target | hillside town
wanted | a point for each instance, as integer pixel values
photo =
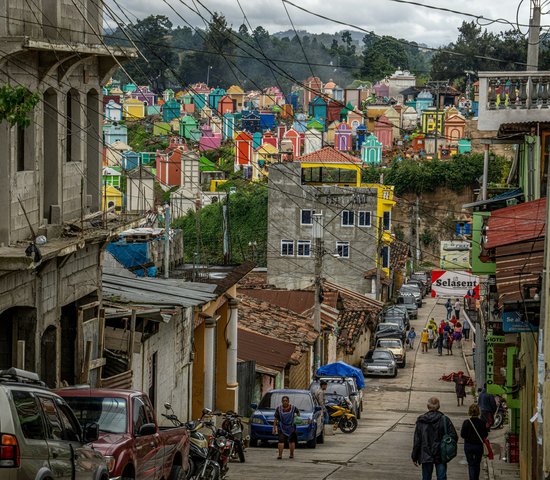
(185, 266)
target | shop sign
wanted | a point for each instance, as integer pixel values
(513, 322)
(455, 284)
(490, 341)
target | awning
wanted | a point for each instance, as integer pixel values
(265, 351)
(500, 198)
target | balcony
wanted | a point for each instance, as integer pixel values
(513, 97)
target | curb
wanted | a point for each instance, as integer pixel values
(490, 469)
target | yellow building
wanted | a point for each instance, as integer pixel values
(262, 157)
(236, 94)
(133, 109)
(111, 197)
(429, 121)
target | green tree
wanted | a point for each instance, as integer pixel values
(16, 104)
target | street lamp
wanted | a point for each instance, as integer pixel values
(208, 74)
(318, 249)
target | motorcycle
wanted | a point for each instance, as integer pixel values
(340, 414)
(501, 413)
(233, 425)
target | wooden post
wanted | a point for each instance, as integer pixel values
(100, 342)
(132, 338)
(20, 354)
(84, 377)
(79, 340)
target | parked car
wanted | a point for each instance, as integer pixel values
(129, 437)
(395, 345)
(310, 431)
(421, 286)
(396, 314)
(41, 438)
(340, 386)
(379, 361)
(391, 330)
(412, 290)
(409, 302)
(425, 277)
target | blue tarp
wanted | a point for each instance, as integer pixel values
(342, 369)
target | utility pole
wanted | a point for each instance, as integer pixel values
(485, 172)
(166, 241)
(378, 288)
(534, 37)
(417, 232)
(318, 246)
(225, 212)
(437, 84)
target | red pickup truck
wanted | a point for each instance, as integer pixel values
(130, 439)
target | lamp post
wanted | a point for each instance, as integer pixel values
(208, 74)
(318, 249)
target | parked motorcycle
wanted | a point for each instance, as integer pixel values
(501, 413)
(340, 414)
(233, 425)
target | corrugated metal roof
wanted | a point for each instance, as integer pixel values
(518, 192)
(155, 291)
(267, 351)
(328, 155)
(525, 221)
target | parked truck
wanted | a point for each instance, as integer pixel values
(130, 439)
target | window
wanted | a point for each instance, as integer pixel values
(348, 218)
(386, 257)
(342, 248)
(140, 414)
(386, 220)
(55, 430)
(28, 412)
(304, 248)
(287, 248)
(70, 425)
(306, 217)
(363, 219)
(109, 413)
(20, 134)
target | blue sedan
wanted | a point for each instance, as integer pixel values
(310, 431)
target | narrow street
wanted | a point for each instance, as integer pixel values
(381, 446)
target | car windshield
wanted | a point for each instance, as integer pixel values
(387, 326)
(109, 413)
(381, 355)
(389, 344)
(410, 288)
(271, 400)
(338, 388)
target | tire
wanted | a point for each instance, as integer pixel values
(404, 364)
(348, 425)
(212, 472)
(192, 467)
(312, 443)
(254, 442)
(394, 373)
(358, 412)
(177, 473)
(321, 438)
(240, 453)
(499, 421)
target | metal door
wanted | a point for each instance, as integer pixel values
(246, 377)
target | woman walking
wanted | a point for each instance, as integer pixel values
(424, 340)
(474, 434)
(449, 343)
(431, 337)
(284, 426)
(460, 387)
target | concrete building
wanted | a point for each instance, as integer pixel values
(50, 182)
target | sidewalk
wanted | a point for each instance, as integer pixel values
(497, 469)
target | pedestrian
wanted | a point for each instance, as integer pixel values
(424, 336)
(457, 309)
(320, 396)
(449, 343)
(428, 433)
(284, 426)
(474, 432)
(432, 324)
(454, 320)
(457, 334)
(466, 330)
(488, 407)
(410, 337)
(440, 342)
(449, 307)
(460, 387)
(431, 337)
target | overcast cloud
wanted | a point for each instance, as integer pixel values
(384, 17)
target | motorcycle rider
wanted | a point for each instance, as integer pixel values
(320, 396)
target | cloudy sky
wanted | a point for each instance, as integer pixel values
(387, 17)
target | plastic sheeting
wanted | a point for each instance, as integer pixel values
(342, 369)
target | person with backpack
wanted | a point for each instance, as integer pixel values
(435, 442)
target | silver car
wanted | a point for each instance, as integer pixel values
(379, 361)
(41, 438)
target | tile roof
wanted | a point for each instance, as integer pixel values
(328, 155)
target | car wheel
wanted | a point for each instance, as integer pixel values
(358, 412)
(321, 437)
(404, 364)
(394, 373)
(312, 443)
(253, 442)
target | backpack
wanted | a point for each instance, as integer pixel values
(448, 446)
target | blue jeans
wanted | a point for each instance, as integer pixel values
(440, 471)
(326, 418)
(474, 454)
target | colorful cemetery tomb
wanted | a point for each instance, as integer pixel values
(170, 110)
(394, 117)
(300, 124)
(429, 145)
(267, 120)
(270, 139)
(243, 150)
(342, 137)
(113, 153)
(236, 94)
(115, 133)
(409, 118)
(333, 111)
(418, 143)
(186, 98)
(129, 88)
(199, 100)
(313, 86)
(153, 110)
(196, 134)
(206, 165)
(188, 108)
(257, 139)
(316, 124)
(216, 125)
(338, 94)
(228, 126)
(144, 95)
(383, 130)
(287, 111)
(116, 91)
(175, 125)
(161, 129)
(424, 100)
(225, 105)
(355, 118)
(292, 100)
(464, 145)
(214, 98)
(344, 112)
(130, 160)
(331, 131)
(371, 151)
(169, 167)
(313, 141)
(115, 98)
(113, 111)
(140, 190)
(111, 197)
(281, 129)
(264, 155)
(295, 139)
(250, 121)
(206, 114)
(455, 127)
(111, 176)
(209, 139)
(432, 120)
(352, 96)
(147, 158)
(187, 124)
(318, 108)
(361, 134)
(168, 95)
(133, 109)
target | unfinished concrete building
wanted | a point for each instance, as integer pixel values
(49, 182)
